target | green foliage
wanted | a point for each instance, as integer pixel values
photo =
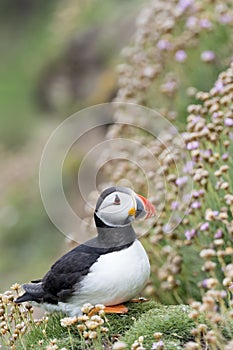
(46, 331)
(172, 321)
(143, 319)
(52, 329)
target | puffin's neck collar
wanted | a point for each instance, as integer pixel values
(114, 236)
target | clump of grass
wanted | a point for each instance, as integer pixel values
(167, 326)
(85, 332)
(92, 330)
(144, 320)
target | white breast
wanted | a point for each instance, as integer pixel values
(115, 278)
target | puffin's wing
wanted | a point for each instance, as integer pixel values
(69, 270)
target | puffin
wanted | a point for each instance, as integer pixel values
(109, 269)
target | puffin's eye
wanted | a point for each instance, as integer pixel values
(117, 200)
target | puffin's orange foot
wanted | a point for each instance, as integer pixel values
(116, 309)
(139, 300)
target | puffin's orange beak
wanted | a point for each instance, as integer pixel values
(148, 209)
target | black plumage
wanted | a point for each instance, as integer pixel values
(62, 279)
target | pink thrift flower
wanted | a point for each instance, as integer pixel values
(207, 56)
(205, 23)
(189, 234)
(192, 145)
(204, 226)
(191, 22)
(218, 234)
(163, 45)
(228, 121)
(196, 205)
(180, 181)
(180, 56)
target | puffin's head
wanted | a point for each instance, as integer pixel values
(120, 206)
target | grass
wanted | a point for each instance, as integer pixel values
(117, 325)
(143, 319)
(172, 321)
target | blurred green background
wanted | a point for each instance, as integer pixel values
(56, 58)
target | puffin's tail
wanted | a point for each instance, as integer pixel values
(33, 292)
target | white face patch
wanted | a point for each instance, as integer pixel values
(114, 210)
